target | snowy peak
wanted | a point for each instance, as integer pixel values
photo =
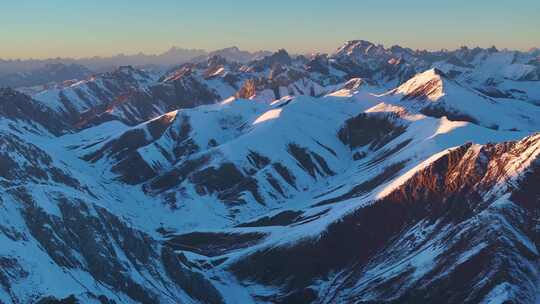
(129, 74)
(443, 218)
(405, 176)
(432, 93)
(358, 48)
(279, 58)
(428, 85)
(234, 54)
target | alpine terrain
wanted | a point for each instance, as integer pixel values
(367, 175)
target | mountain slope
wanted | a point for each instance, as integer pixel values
(440, 232)
(434, 94)
(364, 176)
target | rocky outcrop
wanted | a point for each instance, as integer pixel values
(370, 129)
(20, 107)
(88, 238)
(453, 201)
(352, 195)
(38, 167)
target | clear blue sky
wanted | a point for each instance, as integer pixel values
(76, 28)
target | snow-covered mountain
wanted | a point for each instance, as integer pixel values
(370, 175)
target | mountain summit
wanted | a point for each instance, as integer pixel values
(369, 175)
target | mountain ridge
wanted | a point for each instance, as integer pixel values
(371, 175)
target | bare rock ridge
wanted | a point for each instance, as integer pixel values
(368, 175)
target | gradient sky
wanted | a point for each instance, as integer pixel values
(80, 28)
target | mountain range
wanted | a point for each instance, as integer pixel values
(35, 72)
(368, 175)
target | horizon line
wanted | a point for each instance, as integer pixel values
(207, 51)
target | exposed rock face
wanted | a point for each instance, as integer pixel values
(83, 237)
(82, 103)
(373, 130)
(133, 96)
(38, 167)
(18, 106)
(98, 235)
(186, 91)
(453, 201)
(277, 179)
(280, 58)
(248, 90)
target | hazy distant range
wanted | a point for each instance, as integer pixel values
(21, 73)
(173, 56)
